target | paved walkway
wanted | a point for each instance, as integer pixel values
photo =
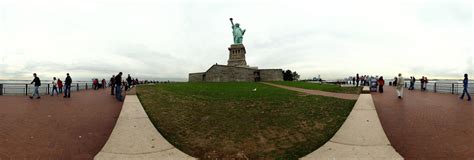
(56, 127)
(427, 125)
(317, 92)
(360, 137)
(135, 137)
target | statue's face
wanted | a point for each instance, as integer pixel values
(237, 25)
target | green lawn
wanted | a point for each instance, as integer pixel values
(229, 120)
(322, 87)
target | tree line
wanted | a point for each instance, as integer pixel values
(288, 75)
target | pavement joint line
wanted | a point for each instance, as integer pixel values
(163, 150)
(363, 145)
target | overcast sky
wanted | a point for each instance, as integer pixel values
(169, 39)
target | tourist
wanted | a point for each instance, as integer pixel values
(413, 79)
(465, 90)
(357, 79)
(112, 85)
(353, 81)
(381, 82)
(103, 83)
(118, 87)
(400, 83)
(60, 86)
(426, 83)
(395, 81)
(55, 88)
(67, 86)
(422, 81)
(129, 82)
(37, 82)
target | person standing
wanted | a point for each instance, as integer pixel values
(60, 86)
(422, 81)
(129, 82)
(67, 86)
(103, 83)
(357, 79)
(381, 82)
(426, 83)
(118, 87)
(37, 82)
(55, 88)
(400, 83)
(465, 82)
(112, 85)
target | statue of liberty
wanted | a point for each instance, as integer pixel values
(237, 32)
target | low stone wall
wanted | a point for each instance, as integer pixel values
(267, 75)
(196, 77)
(221, 73)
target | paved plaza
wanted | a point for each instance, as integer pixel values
(57, 127)
(427, 125)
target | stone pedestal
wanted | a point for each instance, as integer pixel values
(237, 56)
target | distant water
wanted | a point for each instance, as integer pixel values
(17, 87)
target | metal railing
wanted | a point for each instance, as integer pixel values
(44, 89)
(444, 87)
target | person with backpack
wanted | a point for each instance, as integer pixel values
(67, 88)
(55, 88)
(37, 82)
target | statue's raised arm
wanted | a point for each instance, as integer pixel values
(237, 32)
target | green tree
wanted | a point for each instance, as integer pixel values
(295, 76)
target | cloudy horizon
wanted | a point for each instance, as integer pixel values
(169, 39)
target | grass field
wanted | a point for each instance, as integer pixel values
(322, 87)
(229, 120)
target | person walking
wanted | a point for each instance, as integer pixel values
(353, 81)
(60, 86)
(118, 87)
(381, 82)
(465, 90)
(37, 82)
(395, 81)
(67, 86)
(112, 85)
(400, 83)
(129, 82)
(55, 88)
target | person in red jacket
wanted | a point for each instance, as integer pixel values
(381, 82)
(60, 86)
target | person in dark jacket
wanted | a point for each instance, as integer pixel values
(465, 82)
(129, 82)
(37, 82)
(118, 87)
(67, 86)
(112, 85)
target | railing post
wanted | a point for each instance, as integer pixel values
(86, 86)
(77, 86)
(26, 89)
(1, 89)
(452, 88)
(48, 89)
(435, 87)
